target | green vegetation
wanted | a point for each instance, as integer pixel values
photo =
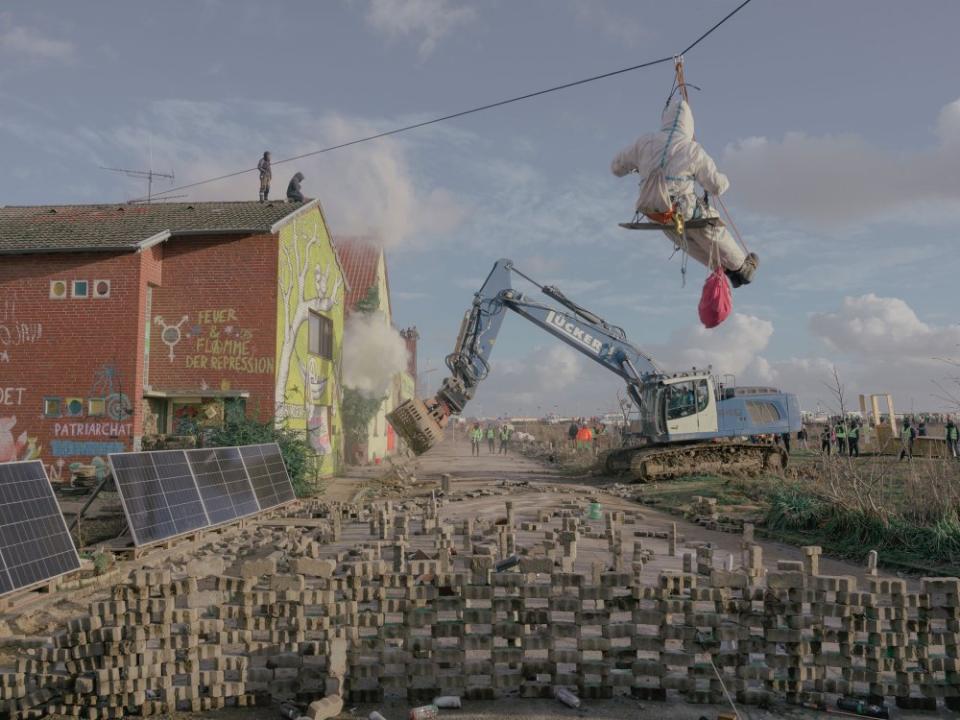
(357, 410)
(896, 534)
(102, 562)
(370, 302)
(908, 512)
(302, 464)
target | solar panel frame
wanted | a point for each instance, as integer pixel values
(272, 489)
(225, 487)
(177, 525)
(17, 520)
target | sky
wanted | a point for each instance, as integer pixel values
(838, 124)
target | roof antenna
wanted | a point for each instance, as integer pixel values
(149, 174)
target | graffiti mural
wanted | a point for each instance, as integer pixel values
(171, 335)
(15, 330)
(219, 342)
(307, 386)
(19, 447)
(106, 385)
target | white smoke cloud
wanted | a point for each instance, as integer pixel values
(373, 352)
(371, 189)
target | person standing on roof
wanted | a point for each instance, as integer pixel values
(293, 189)
(265, 176)
(674, 155)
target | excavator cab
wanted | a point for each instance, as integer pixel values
(680, 407)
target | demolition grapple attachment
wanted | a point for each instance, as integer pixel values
(420, 426)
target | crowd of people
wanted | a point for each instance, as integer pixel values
(583, 435)
(491, 433)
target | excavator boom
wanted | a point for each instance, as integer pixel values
(682, 409)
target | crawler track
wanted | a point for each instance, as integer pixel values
(665, 462)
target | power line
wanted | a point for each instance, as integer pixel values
(462, 113)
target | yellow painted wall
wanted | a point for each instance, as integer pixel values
(308, 391)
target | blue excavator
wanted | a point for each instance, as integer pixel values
(689, 422)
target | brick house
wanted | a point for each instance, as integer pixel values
(365, 267)
(124, 321)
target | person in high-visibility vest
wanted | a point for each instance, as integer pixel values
(505, 434)
(953, 437)
(841, 438)
(853, 439)
(907, 436)
(476, 437)
(491, 439)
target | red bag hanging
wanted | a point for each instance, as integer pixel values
(716, 300)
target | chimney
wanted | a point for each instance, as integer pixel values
(411, 336)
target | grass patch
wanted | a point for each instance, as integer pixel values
(907, 512)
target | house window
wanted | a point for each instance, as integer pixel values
(101, 289)
(51, 407)
(96, 407)
(320, 341)
(81, 289)
(73, 407)
(58, 289)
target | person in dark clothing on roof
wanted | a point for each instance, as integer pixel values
(265, 176)
(293, 189)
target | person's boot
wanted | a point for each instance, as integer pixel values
(744, 275)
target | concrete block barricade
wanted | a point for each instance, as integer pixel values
(370, 622)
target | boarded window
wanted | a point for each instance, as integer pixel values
(321, 336)
(762, 413)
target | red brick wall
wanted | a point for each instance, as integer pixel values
(78, 349)
(226, 288)
(68, 349)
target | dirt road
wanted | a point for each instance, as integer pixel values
(453, 457)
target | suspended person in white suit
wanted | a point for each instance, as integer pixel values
(673, 155)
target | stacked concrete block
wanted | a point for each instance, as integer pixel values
(296, 625)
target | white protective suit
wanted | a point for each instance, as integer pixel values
(684, 161)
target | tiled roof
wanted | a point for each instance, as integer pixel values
(359, 257)
(53, 228)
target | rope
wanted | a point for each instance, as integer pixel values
(680, 83)
(462, 113)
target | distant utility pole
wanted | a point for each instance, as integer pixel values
(148, 174)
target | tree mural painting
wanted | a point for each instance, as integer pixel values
(308, 386)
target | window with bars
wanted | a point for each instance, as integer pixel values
(320, 341)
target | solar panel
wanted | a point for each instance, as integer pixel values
(223, 483)
(34, 542)
(158, 493)
(268, 474)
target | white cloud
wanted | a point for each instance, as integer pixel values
(622, 28)
(885, 328)
(731, 348)
(844, 180)
(547, 376)
(24, 42)
(426, 20)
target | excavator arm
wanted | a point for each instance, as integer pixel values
(420, 423)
